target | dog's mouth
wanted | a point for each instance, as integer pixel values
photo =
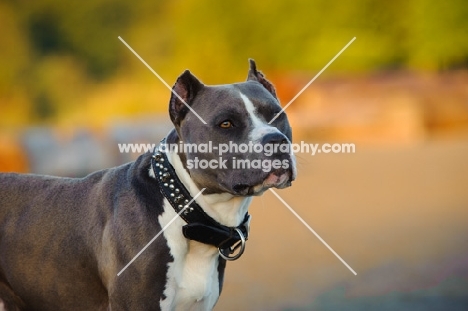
(280, 179)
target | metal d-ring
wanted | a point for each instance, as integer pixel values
(241, 244)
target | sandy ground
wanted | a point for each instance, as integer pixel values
(398, 216)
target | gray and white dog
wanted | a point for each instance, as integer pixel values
(63, 241)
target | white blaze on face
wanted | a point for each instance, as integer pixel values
(259, 127)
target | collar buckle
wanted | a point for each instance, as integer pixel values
(226, 252)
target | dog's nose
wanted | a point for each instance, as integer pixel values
(274, 139)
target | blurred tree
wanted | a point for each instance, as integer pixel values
(438, 35)
(86, 29)
(53, 54)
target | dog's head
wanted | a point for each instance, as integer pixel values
(239, 150)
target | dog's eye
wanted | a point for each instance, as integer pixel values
(278, 114)
(226, 124)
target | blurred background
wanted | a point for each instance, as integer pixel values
(396, 210)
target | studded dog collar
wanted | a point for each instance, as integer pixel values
(200, 226)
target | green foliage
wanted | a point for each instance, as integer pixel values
(439, 38)
(86, 29)
(50, 40)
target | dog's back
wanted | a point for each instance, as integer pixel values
(40, 244)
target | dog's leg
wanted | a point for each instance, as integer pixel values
(8, 300)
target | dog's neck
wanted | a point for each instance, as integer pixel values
(225, 208)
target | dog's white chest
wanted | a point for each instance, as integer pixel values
(192, 278)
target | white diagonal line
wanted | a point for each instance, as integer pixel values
(161, 79)
(159, 233)
(313, 79)
(313, 231)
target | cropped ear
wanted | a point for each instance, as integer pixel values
(258, 76)
(183, 92)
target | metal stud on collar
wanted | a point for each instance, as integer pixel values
(232, 249)
(157, 156)
(173, 190)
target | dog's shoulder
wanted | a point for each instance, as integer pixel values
(142, 182)
(131, 180)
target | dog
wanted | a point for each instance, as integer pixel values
(64, 242)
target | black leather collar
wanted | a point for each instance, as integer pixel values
(200, 226)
